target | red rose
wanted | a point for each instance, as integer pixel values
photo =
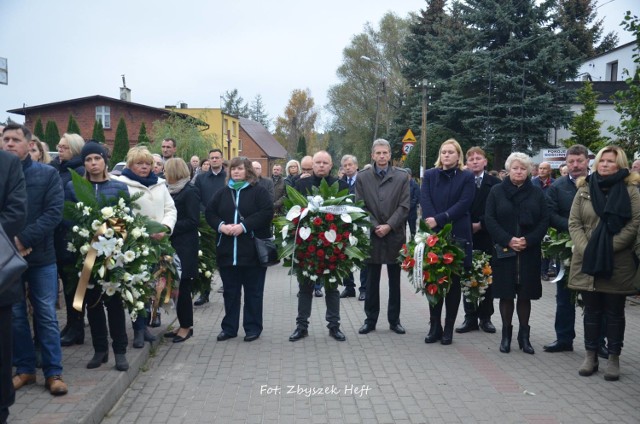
(329, 217)
(442, 280)
(320, 253)
(333, 227)
(432, 258)
(321, 236)
(432, 240)
(332, 267)
(447, 258)
(333, 258)
(325, 243)
(311, 248)
(342, 256)
(346, 234)
(295, 220)
(338, 237)
(336, 250)
(317, 221)
(300, 254)
(432, 289)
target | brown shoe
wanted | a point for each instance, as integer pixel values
(20, 380)
(56, 386)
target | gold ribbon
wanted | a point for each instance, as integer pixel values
(162, 270)
(118, 226)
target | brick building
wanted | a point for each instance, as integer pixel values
(86, 110)
(257, 144)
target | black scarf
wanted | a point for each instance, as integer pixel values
(145, 181)
(517, 195)
(611, 202)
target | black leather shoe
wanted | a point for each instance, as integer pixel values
(366, 328)
(251, 337)
(397, 328)
(318, 293)
(348, 292)
(169, 335)
(487, 326)
(157, 321)
(98, 359)
(337, 334)
(75, 335)
(558, 347)
(298, 334)
(603, 352)
(469, 325)
(362, 296)
(201, 300)
(224, 336)
(178, 339)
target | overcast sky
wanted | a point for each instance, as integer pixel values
(190, 51)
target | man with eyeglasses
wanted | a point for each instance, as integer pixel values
(208, 183)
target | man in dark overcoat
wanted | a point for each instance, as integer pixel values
(385, 192)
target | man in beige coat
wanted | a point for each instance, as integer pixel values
(385, 192)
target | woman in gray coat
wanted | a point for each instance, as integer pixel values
(603, 224)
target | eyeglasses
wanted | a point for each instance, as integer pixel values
(62, 147)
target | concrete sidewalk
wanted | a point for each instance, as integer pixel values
(381, 377)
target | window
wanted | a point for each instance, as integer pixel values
(612, 71)
(234, 128)
(239, 145)
(103, 114)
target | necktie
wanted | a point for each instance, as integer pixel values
(478, 182)
(383, 173)
(350, 181)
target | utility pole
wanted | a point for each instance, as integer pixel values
(423, 132)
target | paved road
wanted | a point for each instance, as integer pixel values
(381, 377)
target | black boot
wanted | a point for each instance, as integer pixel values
(435, 332)
(75, 334)
(447, 333)
(523, 339)
(98, 359)
(505, 343)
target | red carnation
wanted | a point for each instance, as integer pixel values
(432, 289)
(329, 217)
(432, 258)
(432, 240)
(447, 258)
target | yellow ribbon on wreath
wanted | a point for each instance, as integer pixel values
(162, 270)
(118, 226)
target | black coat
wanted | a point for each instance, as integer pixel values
(208, 184)
(560, 198)
(63, 256)
(303, 185)
(184, 237)
(256, 212)
(482, 239)
(13, 212)
(504, 221)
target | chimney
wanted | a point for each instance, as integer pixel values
(125, 93)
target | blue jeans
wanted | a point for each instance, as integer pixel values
(43, 293)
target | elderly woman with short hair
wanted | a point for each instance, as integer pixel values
(293, 172)
(155, 203)
(516, 217)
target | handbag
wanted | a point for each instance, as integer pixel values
(12, 264)
(265, 247)
(503, 252)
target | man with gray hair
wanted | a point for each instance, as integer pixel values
(349, 165)
(267, 183)
(385, 192)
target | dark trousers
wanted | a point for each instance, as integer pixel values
(611, 306)
(452, 301)
(7, 394)
(372, 301)
(95, 303)
(349, 282)
(184, 307)
(305, 300)
(69, 276)
(234, 280)
(412, 220)
(482, 311)
(565, 314)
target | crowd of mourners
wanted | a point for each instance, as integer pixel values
(503, 213)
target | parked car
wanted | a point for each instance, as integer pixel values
(117, 170)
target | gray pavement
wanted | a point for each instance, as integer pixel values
(381, 377)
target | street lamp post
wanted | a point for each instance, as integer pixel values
(382, 87)
(423, 132)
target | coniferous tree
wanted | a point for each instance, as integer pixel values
(584, 127)
(72, 126)
(98, 132)
(38, 130)
(301, 151)
(121, 143)
(51, 135)
(258, 113)
(234, 104)
(143, 138)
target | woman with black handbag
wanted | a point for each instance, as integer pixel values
(516, 217)
(239, 213)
